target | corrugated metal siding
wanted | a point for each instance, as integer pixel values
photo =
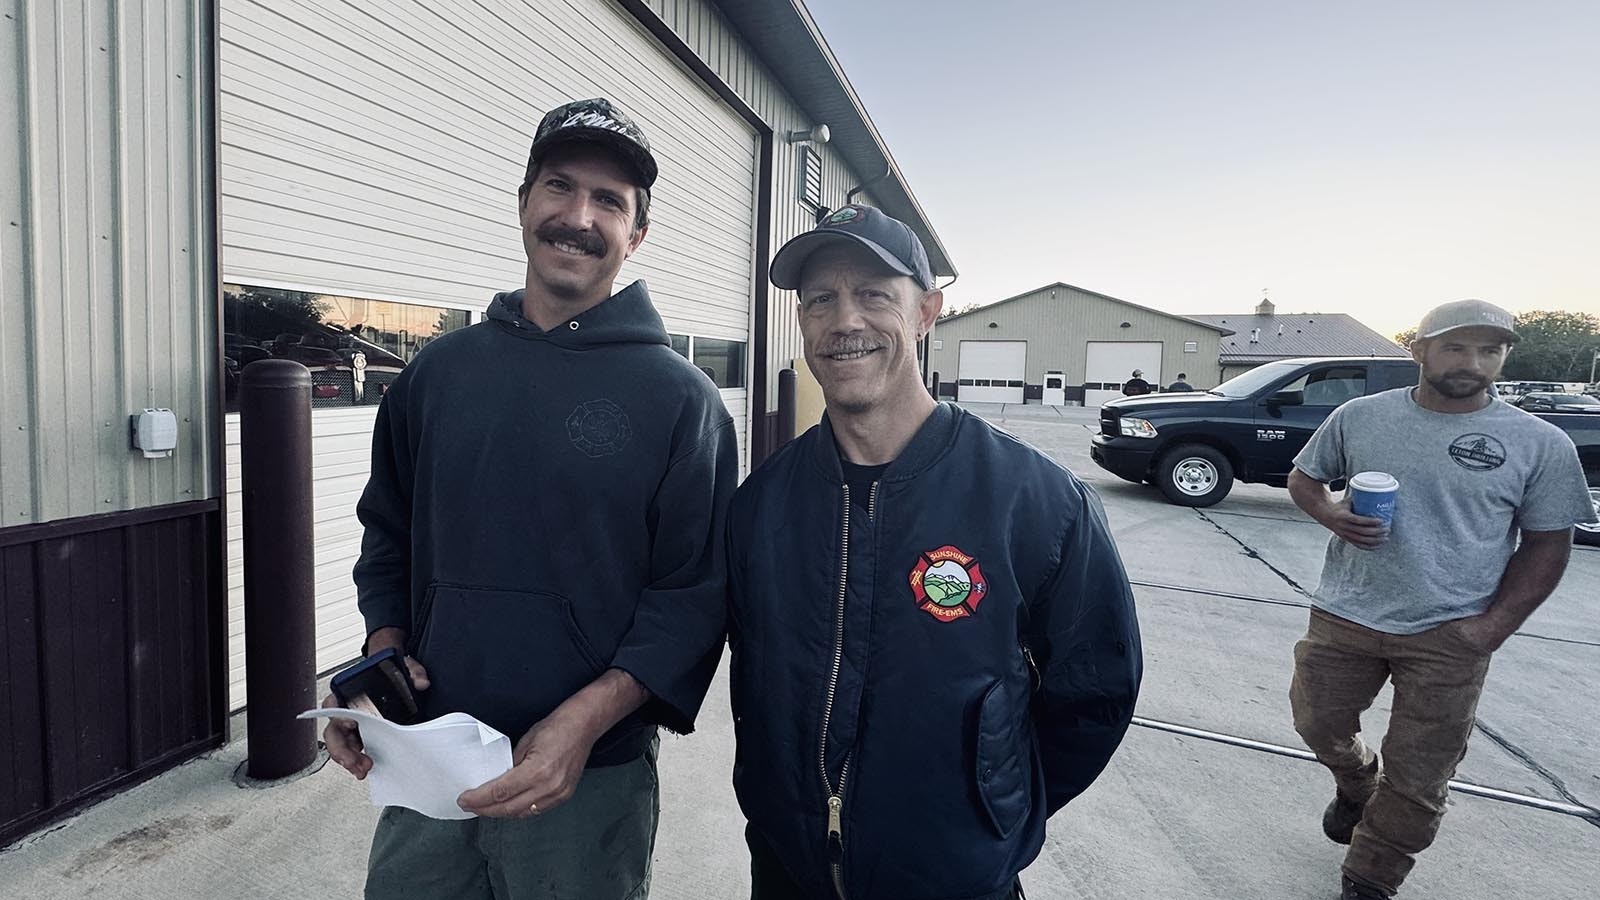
(106, 297)
(1059, 322)
(708, 33)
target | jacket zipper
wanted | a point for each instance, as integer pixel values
(1033, 667)
(836, 795)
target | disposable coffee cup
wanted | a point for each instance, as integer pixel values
(1373, 494)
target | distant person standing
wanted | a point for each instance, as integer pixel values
(1136, 386)
(1426, 601)
(1181, 385)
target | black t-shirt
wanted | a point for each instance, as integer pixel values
(860, 479)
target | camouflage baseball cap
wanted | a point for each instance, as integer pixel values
(594, 121)
(1467, 314)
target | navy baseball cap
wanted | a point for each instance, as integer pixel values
(890, 239)
(595, 121)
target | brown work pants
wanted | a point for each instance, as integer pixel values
(1339, 667)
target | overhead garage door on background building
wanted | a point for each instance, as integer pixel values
(991, 371)
(374, 151)
(1110, 363)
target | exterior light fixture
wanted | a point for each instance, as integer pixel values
(817, 134)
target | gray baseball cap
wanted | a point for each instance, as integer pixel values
(890, 239)
(1467, 314)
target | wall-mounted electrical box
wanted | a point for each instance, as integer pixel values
(155, 431)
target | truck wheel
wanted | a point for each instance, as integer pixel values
(1194, 475)
(1589, 535)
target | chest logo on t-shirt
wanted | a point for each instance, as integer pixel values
(1478, 452)
(948, 584)
(598, 428)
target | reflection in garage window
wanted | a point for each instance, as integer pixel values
(722, 360)
(354, 347)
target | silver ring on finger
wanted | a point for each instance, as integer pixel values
(533, 808)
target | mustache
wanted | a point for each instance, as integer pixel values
(587, 241)
(850, 345)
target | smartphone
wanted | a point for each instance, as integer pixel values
(383, 680)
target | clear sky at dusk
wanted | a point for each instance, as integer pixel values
(1375, 158)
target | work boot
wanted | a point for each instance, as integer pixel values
(1339, 820)
(1355, 890)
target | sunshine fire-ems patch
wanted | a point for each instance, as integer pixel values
(948, 584)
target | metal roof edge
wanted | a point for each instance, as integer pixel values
(1062, 284)
(1259, 358)
(745, 13)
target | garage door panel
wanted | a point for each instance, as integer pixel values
(1113, 362)
(991, 371)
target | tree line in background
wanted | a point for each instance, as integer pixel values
(1555, 346)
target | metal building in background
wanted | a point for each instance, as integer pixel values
(112, 602)
(1089, 341)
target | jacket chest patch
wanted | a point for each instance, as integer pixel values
(948, 584)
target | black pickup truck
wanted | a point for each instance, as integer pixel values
(1193, 446)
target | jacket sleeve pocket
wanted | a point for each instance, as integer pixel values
(507, 657)
(1002, 761)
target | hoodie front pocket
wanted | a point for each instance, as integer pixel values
(507, 657)
(1002, 764)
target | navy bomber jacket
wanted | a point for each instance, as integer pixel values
(916, 690)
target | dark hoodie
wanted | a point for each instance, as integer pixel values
(547, 505)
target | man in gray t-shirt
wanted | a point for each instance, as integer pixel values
(1427, 599)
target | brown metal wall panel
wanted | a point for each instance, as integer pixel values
(22, 788)
(107, 655)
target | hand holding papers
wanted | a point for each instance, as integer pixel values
(425, 767)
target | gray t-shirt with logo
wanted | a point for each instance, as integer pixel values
(1468, 483)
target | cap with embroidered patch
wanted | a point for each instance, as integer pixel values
(595, 121)
(1467, 314)
(890, 239)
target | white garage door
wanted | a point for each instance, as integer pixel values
(1110, 363)
(991, 371)
(374, 150)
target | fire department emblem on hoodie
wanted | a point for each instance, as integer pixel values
(948, 584)
(598, 428)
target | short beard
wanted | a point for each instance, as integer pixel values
(1450, 386)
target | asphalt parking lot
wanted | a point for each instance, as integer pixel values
(1183, 811)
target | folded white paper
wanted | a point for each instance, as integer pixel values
(426, 766)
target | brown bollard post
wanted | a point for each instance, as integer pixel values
(279, 583)
(786, 410)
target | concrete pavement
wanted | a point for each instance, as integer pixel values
(1221, 595)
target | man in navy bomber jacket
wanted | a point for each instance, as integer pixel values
(934, 641)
